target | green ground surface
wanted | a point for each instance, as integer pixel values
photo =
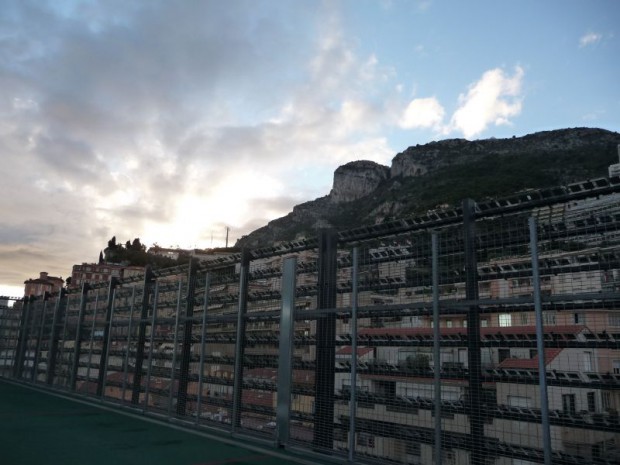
(42, 429)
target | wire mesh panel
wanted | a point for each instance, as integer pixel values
(10, 317)
(488, 334)
(303, 376)
(116, 342)
(578, 260)
(67, 326)
(89, 333)
(210, 395)
(259, 370)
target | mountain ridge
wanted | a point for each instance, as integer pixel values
(441, 173)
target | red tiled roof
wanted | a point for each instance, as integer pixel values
(348, 350)
(262, 373)
(529, 363)
(504, 330)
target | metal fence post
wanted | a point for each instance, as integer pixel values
(173, 371)
(540, 343)
(353, 399)
(149, 369)
(436, 347)
(325, 342)
(144, 314)
(129, 331)
(18, 368)
(476, 422)
(285, 350)
(186, 351)
(77, 346)
(35, 368)
(244, 273)
(103, 359)
(203, 346)
(53, 342)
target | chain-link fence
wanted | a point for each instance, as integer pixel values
(488, 334)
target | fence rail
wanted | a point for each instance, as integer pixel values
(488, 334)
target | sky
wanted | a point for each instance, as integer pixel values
(171, 121)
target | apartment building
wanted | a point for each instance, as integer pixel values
(43, 284)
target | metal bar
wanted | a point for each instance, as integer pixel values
(325, 342)
(436, 347)
(149, 369)
(174, 350)
(540, 344)
(203, 348)
(353, 401)
(103, 367)
(30, 355)
(37, 350)
(61, 352)
(240, 342)
(476, 422)
(52, 351)
(285, 351)
(137, 375)
(92, 339)
(186, 351)
(103, 359)
(128, 351)
(77, 343)
(18, 367)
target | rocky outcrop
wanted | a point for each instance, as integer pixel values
(356, 180)
(421, 159)
(443, 173)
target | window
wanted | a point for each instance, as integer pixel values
(613, 319)
(606, 399)
(505, 319)
(615, 367)
(464, 323)
(484, 323)
(587, 361)
(579, 318)
(568, 403)
(519, 401)
(503, 354)
(549, 318)
(365, 440)
(591, 396)
(448, 323)
(524, 319)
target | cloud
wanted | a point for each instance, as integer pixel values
(494, 99)
(167, 122)
(590, 38)
(422, 113)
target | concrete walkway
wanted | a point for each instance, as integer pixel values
(37, 428)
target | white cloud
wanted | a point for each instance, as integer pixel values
(494, 99)
(590, 38)
(422, 113)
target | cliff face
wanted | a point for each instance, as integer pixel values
(445, 172)
(356, 180)
(419, 160)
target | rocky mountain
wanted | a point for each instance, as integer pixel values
(441, 174)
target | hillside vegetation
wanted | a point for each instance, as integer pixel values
(444, 173)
